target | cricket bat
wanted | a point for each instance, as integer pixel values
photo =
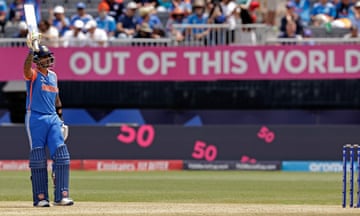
(31, 22)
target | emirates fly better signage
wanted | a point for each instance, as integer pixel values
(196, 63)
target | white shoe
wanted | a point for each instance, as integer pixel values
(64, 202)
(42, 203)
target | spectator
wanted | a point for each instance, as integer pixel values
(49, 34)
(3, 15)
(154, 20)
(95, 37)
(355, 19)
(198, 17)
(74, 37)
(303, 9)
(323, 11)
(126, 26)
(229, 8)
(343, 9)
(216, 16)
(176, 17)
(105, 21)
(116, 7)
(290, 33)
(16, 11)
(81, 14)
(291, 16)
(184, 5)
(165, 5)
(144, 31)
(22, 33)
(247, 35)
(59, 20)
(142, 3)
(270, 18)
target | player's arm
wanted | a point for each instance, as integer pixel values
(58, 106)
(28, 72)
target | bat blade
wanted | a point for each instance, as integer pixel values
(31, 22)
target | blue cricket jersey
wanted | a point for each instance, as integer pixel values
(41, 91)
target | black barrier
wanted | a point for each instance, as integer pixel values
(247, 144)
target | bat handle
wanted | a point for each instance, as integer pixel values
(36, 45)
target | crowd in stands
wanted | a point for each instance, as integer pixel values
(117, 19)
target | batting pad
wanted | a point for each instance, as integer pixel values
(62, 166)
(39, 174)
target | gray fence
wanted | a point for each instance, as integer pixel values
(217, 34)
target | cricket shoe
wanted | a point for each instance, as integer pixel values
(42, 203)
(64, 202)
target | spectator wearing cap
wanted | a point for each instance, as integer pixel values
(59, 20)
(303, 9)
(144, 31)
(176, 17)
(198, 16)
(323, 9)
(148, 14)
(116, 7)
(81, 14)
(3, 15)
(49, 34)
(291, 16)
(126, 25)
(106, 22)
(75, 36)
(95, 37)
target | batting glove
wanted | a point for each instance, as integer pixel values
(65, 131)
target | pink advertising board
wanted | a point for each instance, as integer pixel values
(194, 63)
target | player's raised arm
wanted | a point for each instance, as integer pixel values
(28, 72)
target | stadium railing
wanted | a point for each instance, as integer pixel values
(218, 34)
(311, 41)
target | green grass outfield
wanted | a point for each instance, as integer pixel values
(190, 187)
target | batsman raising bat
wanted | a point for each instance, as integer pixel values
(45, 127)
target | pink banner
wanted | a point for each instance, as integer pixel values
(195, 63)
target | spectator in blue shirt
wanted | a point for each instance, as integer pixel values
(198, 17)
(106, 22)
(324, 7)
(16, 11)
(59, 20)
(3, 15)
(303, 9)
(81, 14)
(127, 23)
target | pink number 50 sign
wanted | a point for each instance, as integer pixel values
(143, 136)
(204, 151)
